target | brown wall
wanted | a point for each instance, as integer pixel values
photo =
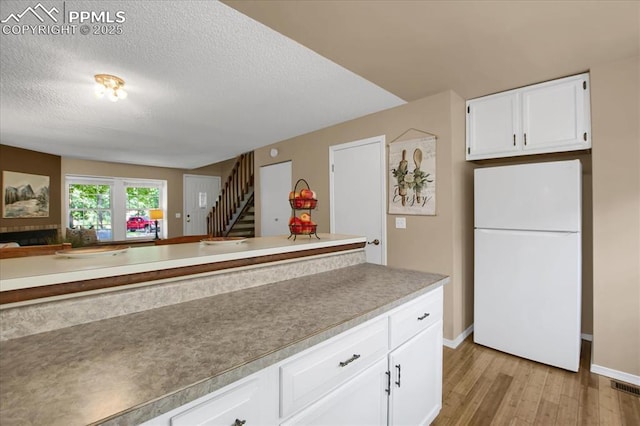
(26, 161)
(172, 176)
(615, 94)
(611, 186)
(430, 243)
(448, 235)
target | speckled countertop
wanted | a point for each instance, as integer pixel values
(128, 369)
(23, 272)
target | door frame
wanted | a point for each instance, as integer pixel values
(184, 195)
(381, 142)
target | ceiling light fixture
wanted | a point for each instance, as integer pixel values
(110, 85)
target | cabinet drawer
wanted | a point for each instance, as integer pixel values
(311, 375)
(415, 316)
(241, 402)
(362, 401)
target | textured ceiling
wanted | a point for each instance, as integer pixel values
(205, 83)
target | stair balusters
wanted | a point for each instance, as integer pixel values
(235, 198)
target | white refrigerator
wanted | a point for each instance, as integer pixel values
(527, 271)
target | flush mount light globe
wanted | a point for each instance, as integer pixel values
(110, 85)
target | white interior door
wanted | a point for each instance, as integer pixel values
(358, 193)
(275, 185)
(200, 195)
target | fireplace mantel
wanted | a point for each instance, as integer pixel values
(24, 228)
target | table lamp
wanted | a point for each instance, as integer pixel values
(156, 215)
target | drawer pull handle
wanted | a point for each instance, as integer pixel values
(388, 389)
(398, 382)
(420, 318)
(349, 361)
(239, 422)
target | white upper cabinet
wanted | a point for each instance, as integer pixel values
(555, 116)
(492, 126)
(548, 117)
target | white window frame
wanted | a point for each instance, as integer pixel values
(119, 200)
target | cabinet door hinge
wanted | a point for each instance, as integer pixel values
(584, 85)
(333, 168)
(525, 139)
(468, 110)
(584, 136)
(469, 150)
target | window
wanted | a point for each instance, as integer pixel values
(139, 200)
(116, 208)
(90, 207)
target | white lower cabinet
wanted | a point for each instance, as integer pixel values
(360, 401)
(402, 389)
(236, 407)
(250, 401)
(416, 371)
(386, 371)
(307, 376)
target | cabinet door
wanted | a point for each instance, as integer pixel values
(555, 116)
(492, 126)
(360, 401)
(416, 386)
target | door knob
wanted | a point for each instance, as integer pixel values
(374, 242)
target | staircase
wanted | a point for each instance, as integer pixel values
(245, 226)
(234, 215)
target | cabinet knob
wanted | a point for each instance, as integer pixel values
(239, 422)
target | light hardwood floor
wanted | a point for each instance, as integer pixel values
(482, 386)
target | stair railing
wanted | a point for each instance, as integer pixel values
(235, 189)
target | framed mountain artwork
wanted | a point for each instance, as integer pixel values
(25, 195)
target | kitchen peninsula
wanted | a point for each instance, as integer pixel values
(200, 334)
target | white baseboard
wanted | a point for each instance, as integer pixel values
(456, 342)
(603, 371)
(615, 374)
